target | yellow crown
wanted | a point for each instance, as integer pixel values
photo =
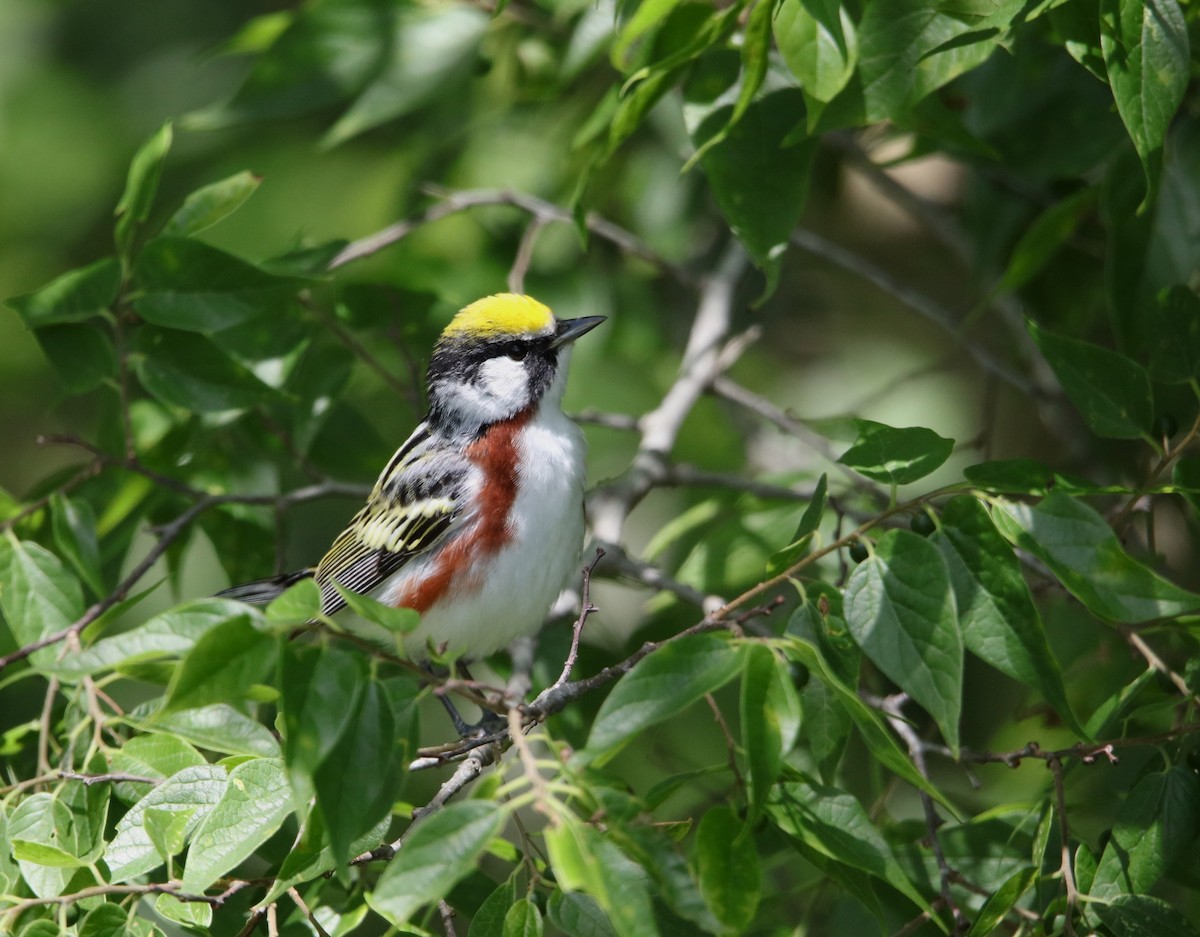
(501, 314)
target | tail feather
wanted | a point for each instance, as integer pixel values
(265, 591)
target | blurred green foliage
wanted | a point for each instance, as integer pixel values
(947, 253)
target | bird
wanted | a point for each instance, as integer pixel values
(476, 522)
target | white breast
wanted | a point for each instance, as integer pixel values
(516, 586)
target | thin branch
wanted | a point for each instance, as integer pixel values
(892, 707)
(89, 779)
(725, 387)
(167, 534)
(299, 902)
(90, 470)
(682, 475)
(520, 264)
(918, 302)
(1164, 462)
(609, 505)
(730, 744)
(448, 914)
(586, 609)
(1064, 830)
(619, 564)
(452, 203)
(1138, 643)
(619, 421)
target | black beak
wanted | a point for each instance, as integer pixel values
(570, 329)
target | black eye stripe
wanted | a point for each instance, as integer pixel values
(516, 350)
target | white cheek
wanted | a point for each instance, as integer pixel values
(505, 380)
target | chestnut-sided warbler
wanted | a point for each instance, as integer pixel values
(477, 521)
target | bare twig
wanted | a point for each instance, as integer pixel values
(299, 902)
(89, 779)
(586, 609)
(619, 564)
(892, 707)
(610, 504)
(452, 203)
(1064, 830)
(448, 915)
(916, 301)
(520, 264)
(1138, 643)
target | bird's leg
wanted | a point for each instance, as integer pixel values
(489, 722)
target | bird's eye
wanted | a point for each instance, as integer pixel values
(516, 350)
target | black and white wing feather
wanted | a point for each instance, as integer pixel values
(418, 501)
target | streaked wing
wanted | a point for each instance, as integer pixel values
(417, 502)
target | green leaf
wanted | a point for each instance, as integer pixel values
(760, 185)
(900, 609)
(909, 48)
(225, 661)
(37, 595)
(897, 455)
(73, 297)
(81, 353)
(996, 614)
(396, 620)
(190, 372)
(74, 526)
(818, 41)
(770, 719)
(586, 861)
(321, 693)
(1027, 476)
(195, 790)
(111, 920)
(728, 868)
(186, 284)
(1003, 900)
(140, 187)
(523, 920)
(171, 634)
(834, 824)
(646, 18)
(658, 687)
(1086, 556)
(655, 849)
(312, 857)
(578, 914)
(33, 830)
(219, 728)
(431, 50)
(43, 831)
(297, 605)
(878, 738)
(1049, 231)
(1144, 916)
(488, 921)
(207, 205)
(1174, 328)
(809, 521)
(440, 852)
(1146, 54)
(1111, 392)
(325, 53)
(152, 756)
(193, 914)
(353, 802)
(1158, 820)
(256, 801)
(167, 829)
